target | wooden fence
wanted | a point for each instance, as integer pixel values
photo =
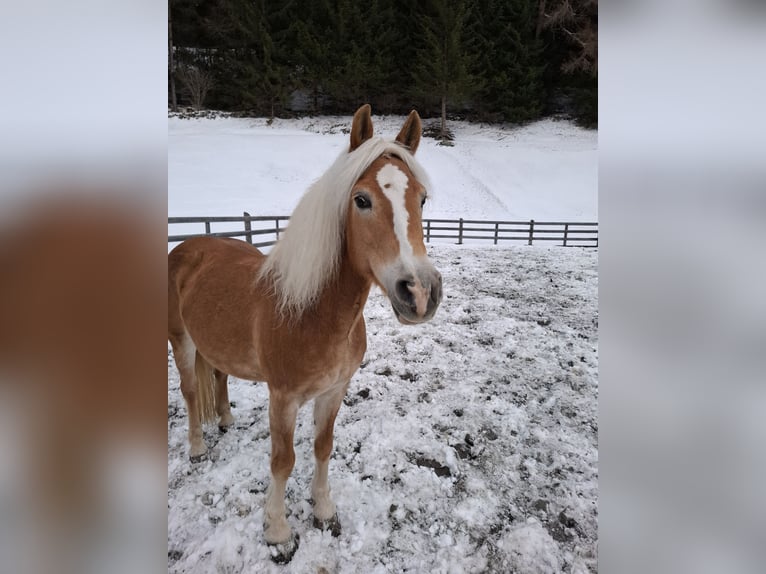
(565, 233)
(264, 225)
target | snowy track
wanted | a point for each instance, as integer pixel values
(468, 444)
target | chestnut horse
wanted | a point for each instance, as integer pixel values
(295, 318)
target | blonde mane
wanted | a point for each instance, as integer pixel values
(308, 254)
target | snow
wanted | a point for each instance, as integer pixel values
(225, 166)
(468, 444)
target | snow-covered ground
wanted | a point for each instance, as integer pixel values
(468, 444)
(544, 171)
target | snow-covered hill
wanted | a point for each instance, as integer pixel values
(224, 166)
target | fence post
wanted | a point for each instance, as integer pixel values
(207, 228)
(497, 225)
(276, 228)
(531, 230)
(566, 231)
(248, 236)
(460, 232)
(428, 231)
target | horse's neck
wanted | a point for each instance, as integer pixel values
(345, 295)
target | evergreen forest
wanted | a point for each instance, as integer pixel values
(485, 60)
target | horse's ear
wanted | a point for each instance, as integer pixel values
(409, 135)
(361, 127)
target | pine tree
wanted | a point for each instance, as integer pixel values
(388, 43)
(272, 78)
(509, 59)
(444, 60)
(312, 37)
(364, 57)
(405, 42)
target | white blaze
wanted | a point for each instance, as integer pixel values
(393, 182)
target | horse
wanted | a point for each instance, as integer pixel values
(294, 318)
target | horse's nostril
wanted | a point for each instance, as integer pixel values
(436, 291)
(404, 294)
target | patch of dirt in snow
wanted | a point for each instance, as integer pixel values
(468, 444)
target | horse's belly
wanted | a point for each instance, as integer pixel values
(248, 371)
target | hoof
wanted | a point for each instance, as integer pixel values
(225, 422)
(195, 459)
(283, 553)
(332, 524)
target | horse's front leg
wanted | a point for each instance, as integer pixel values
(282, 413)
(325, 410)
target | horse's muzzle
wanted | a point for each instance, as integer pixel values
(415, 298)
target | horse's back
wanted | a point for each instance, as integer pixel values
(212, 249)
(209, 253)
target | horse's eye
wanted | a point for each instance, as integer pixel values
(362, 201)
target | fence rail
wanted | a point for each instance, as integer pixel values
(275, 227)
(566, 233)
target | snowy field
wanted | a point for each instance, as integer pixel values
(468, 444)
(225, 166)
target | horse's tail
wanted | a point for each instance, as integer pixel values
(206, 407)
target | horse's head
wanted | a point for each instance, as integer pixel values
(384, 229)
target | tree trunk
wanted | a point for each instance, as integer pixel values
(171, 63)
(444, 118)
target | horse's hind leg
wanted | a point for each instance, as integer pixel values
(325, 410)
(222, 406)
(184, 353)
(282, 413)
